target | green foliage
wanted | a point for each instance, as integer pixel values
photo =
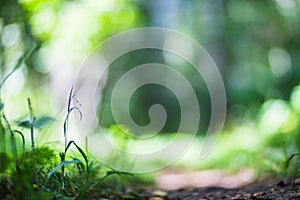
(2, 135)
(80, 151)
(63, 182)
(61, 165)
(23, 139)
(5, 161)
(67, 145)
(17, 172)
(295, 170)
(36, 174)
(262, 67)
(21, 60)
(119, 173)
(40, 122)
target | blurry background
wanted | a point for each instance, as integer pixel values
(255, 45)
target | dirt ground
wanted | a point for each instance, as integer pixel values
(280, 190)
(218, 184)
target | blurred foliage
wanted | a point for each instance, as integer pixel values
(254, 43)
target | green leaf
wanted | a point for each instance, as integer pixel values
(21, 60)
(70, 99)
(80, 167)
(42, 121)
(23, 139)
(70, 110)
(109, 173)
(287, 163)
(79, 149)
(2, 136)
(1, 106)
(60, 165)
(24, 124)
(38, 123)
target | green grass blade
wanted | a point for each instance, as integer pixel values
(70, 99)
(82, 154)
(67, 118)
(21, 60)
(23, 140)
(2, 135)
(1, 105)
(287, 163)
(68, 146)
(65, 130)
(65, 126)
(32, 119)
(80, 151)
(12, 138)
(3, 155)
(76, 108)
(61, 165)
(119, 173)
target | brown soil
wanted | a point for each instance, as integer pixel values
(280, 190)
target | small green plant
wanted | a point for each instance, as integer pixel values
(296, 171)
(85, 169)
(3, 119)
(36, 173)
(34, 123)
(67, 145)
(16, 176)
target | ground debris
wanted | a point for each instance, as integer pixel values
(257, 191)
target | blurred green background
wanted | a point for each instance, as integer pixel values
(255, 44)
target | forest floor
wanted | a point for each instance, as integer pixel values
(217, 184)
(182, 185)
(280, 190)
